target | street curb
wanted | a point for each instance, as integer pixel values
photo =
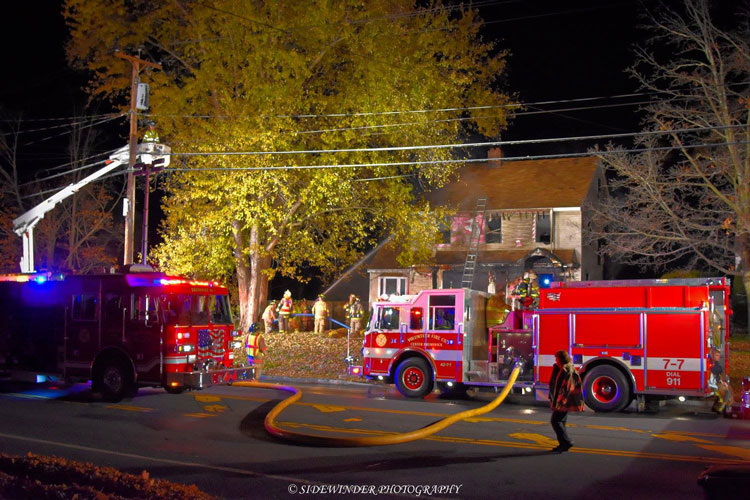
(303, 380)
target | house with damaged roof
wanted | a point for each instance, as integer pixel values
(510, 218)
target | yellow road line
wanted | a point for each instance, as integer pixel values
(528, 446)
(141, 409)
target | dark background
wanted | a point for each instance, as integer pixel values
(558, 51)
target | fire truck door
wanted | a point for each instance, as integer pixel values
(718, 320)
(143, 326)
(82, 335)
(675, 347)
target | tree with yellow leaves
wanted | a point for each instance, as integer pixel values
(283, 112)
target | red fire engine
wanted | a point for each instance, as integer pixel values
(639, 338)
(118, 330)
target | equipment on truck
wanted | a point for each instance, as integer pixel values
(23, 225)
(637, 338)
(118, 330)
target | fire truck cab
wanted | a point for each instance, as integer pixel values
(118, 330)
(638, 338)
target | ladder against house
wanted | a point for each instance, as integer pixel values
(471, 253)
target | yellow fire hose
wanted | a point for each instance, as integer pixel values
(315, 440)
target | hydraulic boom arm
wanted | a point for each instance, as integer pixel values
(24, 224)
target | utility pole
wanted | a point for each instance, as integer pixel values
(136, 64)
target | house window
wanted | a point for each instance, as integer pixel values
(445, 232)
(494, 231)
(543, 229)
(391, 285)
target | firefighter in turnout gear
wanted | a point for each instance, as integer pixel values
(255, 346)
(269, 316)
(355, 316)
(320, 311)
(151, 135)
(285, 310)
(526, 293)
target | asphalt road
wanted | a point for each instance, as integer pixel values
(215, 439)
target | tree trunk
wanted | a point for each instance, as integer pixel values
(254, 289)
(243, 274)
(252, 282)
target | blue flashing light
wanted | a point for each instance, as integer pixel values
(545, 280)
(40, 279)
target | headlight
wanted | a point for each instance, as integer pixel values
(191, 358)
(238, 345)
(185, 348)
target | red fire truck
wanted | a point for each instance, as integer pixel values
(639, 338)
(118, 330)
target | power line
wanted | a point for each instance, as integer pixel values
(56, 119)
(458, 145)
(62, 174)
(411, 148)
(418, 111)
(82, 120)
(416, 163)
(443, 162)
(70, 131)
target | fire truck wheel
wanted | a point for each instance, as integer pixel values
(414, 378)
(605, 388)
(113, 380)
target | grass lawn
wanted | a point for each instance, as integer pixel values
(739, 362)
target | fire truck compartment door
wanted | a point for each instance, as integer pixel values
(675, 357)
(607, 329)
(143, 335)
(82, 339)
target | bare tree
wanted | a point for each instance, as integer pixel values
(684, 196)
(79, 234)
(10, 196)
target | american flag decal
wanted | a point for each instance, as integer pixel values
(554, 297)
(210, 343)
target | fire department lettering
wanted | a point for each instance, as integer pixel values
(424, 339)
(210, 342)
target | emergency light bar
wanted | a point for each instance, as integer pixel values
(36, 277)
(160, 280)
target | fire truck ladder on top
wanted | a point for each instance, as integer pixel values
(471, 253)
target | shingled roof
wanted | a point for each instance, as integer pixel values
(516, 185)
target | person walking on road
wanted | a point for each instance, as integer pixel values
(565, 395)
(320, 311)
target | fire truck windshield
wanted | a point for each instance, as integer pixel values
(186, 309)
(388, 318)
(218, 305)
